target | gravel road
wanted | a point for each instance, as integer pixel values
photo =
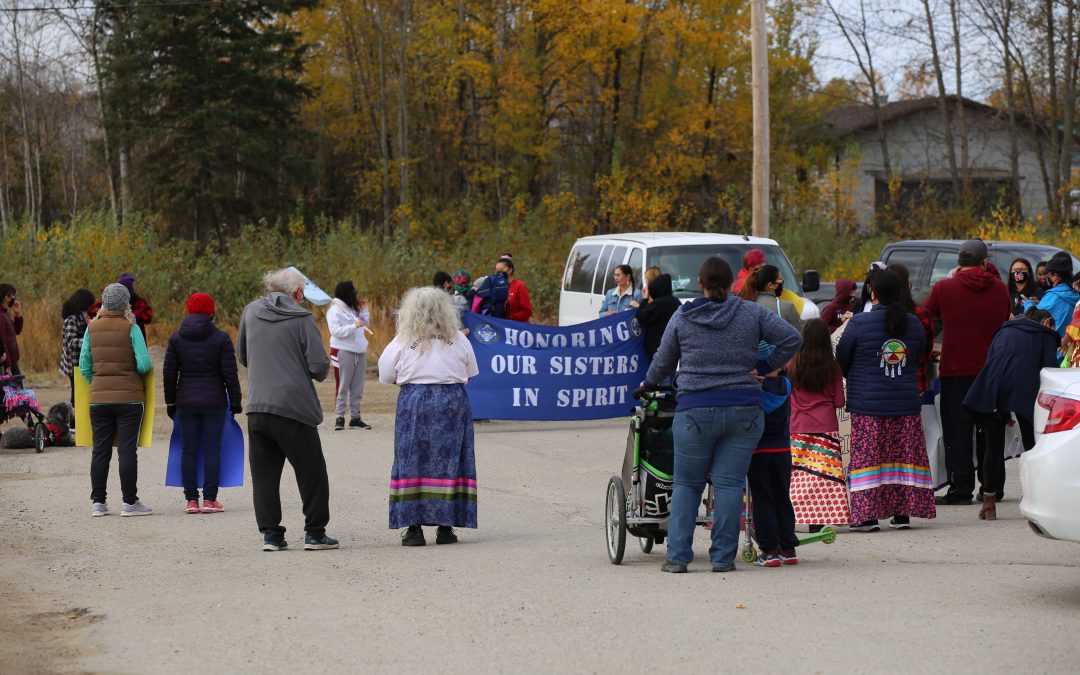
(531, 590)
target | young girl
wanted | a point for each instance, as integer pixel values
(818, 489)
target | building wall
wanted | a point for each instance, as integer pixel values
(916, 144)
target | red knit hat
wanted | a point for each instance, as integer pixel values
(200, 303)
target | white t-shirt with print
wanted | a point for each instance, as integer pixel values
(433, 360)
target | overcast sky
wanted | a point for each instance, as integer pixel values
(899, 34)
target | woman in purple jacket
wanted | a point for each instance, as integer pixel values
(201, 385)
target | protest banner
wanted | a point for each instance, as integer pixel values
(532, 372)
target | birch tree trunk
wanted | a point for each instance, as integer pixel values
(403, 113)
(943, 102)
(961, 121)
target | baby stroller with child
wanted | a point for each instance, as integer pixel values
(648, 470)
(20, 403)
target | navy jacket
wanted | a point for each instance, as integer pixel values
(882, 372)
(1009, 382)
(200, 366)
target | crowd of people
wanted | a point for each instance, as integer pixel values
(758, 391)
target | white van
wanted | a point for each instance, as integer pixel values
(592, 261)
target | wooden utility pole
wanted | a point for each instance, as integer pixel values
(759, 64)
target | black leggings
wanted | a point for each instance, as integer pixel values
(993, 459)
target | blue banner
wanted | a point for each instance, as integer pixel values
(531, 372)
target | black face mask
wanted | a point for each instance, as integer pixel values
(1020, 277)
(779, 289)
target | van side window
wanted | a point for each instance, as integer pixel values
(614, 260)
(913, 259)
(581, 268)
(943, 264)
(636, 256)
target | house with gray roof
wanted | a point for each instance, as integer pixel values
(919, 159)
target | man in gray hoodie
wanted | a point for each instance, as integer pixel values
(283, 351)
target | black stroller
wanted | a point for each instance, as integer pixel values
(648, 470)
(22, 404)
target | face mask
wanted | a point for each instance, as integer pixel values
(779, 289)
(1020, 276)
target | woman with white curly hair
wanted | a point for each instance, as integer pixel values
(433, 481)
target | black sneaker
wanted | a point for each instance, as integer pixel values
(414, 536)
(724, 567)
(357, 423)
(339, 424)
(673, 567)
(323, 543)
(900, 523)
(866, 526)
(445, 535)
(952, 500)
(275, 544)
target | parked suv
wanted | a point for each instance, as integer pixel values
(592, 262)
(930, 260)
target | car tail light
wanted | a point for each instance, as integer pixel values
(1064, 412)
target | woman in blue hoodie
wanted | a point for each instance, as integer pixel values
(201, 386)
(713, 341)
(1060, 299)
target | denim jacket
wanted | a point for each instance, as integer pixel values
(613, 302)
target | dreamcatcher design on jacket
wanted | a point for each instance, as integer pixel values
(893, 357)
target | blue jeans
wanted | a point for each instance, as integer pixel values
(717, 442)
(201, 428)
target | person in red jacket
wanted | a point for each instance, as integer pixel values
(518, 305)
(972, 305)
(140, 307)
(11, 324)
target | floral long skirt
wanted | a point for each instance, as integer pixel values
(889, 472)
(433, 480)
(818, 489)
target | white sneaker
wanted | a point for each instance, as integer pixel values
(99, 509)
(136, 509)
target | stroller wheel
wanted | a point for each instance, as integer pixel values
(615, 520)
(646, 544)
(39, 437)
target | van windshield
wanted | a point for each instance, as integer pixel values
(683, 263)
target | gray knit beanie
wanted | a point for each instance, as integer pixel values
(115, 297)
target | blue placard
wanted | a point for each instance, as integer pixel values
(531, 372)
(232, 457)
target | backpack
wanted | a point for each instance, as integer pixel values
(494, 292)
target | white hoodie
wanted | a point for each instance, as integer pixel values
(344, 334)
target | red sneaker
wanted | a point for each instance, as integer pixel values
(192, 506)
(209, 506)
(788, 556)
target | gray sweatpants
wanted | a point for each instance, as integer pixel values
(351, 370)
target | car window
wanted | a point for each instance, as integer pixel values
(636, 258)
(613, 261)
(582, 268)
(683, 263)
(943, 264)
(913, 259)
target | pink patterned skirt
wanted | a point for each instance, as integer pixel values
(818, 489)
(889, 472)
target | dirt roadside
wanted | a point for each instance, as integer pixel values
(42, 629)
